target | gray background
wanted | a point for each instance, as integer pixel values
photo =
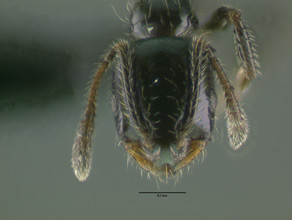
(48, 52)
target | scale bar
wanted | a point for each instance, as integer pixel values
(162, 192)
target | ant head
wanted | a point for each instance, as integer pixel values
(161, 18)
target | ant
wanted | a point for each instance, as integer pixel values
(163, 87)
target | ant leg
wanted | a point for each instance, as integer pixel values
(244, 42)
(237, 123)
(82, 151)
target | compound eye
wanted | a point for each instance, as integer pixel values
(150, 28)
(139, 27)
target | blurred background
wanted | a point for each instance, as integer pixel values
(48, 51)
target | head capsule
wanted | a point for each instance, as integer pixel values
(161, 18)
